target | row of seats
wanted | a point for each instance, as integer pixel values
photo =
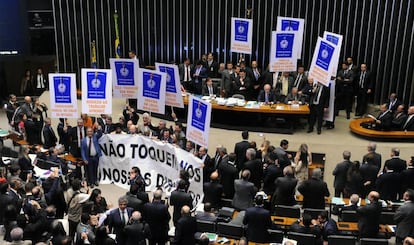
(234, 231)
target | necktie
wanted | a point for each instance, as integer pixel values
(318, 95)
(298, 78)
(362, 78)
(80, 134)
(123, 217)
(256, 74)
(408, 120)
(89, 146)
(210, 90)
(266, 97)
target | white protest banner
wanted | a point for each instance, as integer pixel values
(151, 92)
(198, 121)
(329, 114)
(125, 78)
(337, 40)
(322, 61)
(241, 35)
(283, 51)
(173, 96)
(159, 163)
(96, 91)
(292, 24)
(63, 101)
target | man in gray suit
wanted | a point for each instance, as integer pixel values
(244, 192)
(404, 217)
(227, 80)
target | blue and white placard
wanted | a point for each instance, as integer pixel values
(96, 91)
(63, 102)
(292, 25)
(125, 78)
(173, 96)
(283, 51)
(337, 40)
(198, 121)
(322, 61)
(241, 35)
(151, 92)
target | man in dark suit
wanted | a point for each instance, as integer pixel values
(393, 102)
(39, 82)
(404, 217)
(409, 123)
(364, 87)
(369, 216)
(211, 66)
(400, 117)
(407, 176)
(369, 172)
(344, 82)
(5, 200)
(185, 69)
(299, 78)
(307, 226)
(258, 221)
(228, 174)
(375, 157)
(285, 188)
(91, 152)
(282, 156)
(133, 201)
(270, 173)
(49, 135)
(76, 135)
(157, 216)
(118, 218)
(244, 192)
(180, 198)
(341, 172)
(294, 97)
(389, 185)
(199, 72)
(266, 95)
(328, 225)
(11, 107)
(384, 119)
(255, 166)
(319, 102)
(136, 232)
(213, 191)
(209, 165)
(33, 128)
(244, 86)
(240, 150)
(209, 89)
(185, 228)
(395, 162)
(314, 191)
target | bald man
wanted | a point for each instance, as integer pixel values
(213, 191)
(244, 192)
(186, 227)
(369, 216)
(266, 95)
(136, 231)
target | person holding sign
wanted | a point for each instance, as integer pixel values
(319, 102)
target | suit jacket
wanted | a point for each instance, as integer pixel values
(157, 216)
(95, 141)
(227, 83)
(185, 230)
(5, 200)
(279, 85)
(228, 174)
(205, 91)
(201, 75)
(398, 121)
(367, 81)
(410, 125)
(181, 70)
(329, 228)
(386, 120)
(323, 99)
(345, 78)
(43, 79)
(290, 97)
(134, 203)
(244, 194)
(258, 221)
(178, 199)
(407, 177)
(369, 219)
(404, 217)
(397, 164)
(314, 192)
(212, 193)
(73, 138)
(369, 172)
(137, 233)
(393, 105)
(10, 109)
(49, 136)
(212, 70)
(262, 97)
(33, 131)
(340, 172)
(301, 83)
(285, 191)
(389, 185)
(245, 88)
(282, 156)
(116, 225)
(240, 150)
(270, 174)
(255, 167)
(377, 159)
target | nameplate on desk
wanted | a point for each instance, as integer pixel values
(294, 106)
(280, 107)
(343, 225)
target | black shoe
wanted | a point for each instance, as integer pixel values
(330, 127)
(310, 131)
(348, 116)
(319, 131)
(92, 186)
(97, 183)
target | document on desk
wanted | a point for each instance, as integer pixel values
(280, 107)
(337, 201)
(252, 105)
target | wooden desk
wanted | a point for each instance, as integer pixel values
(236, 242)
(353, 226)
(270, 109)
(299, 198)
(355, 127)
(285, 221)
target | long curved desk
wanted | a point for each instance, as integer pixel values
(355, 127)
